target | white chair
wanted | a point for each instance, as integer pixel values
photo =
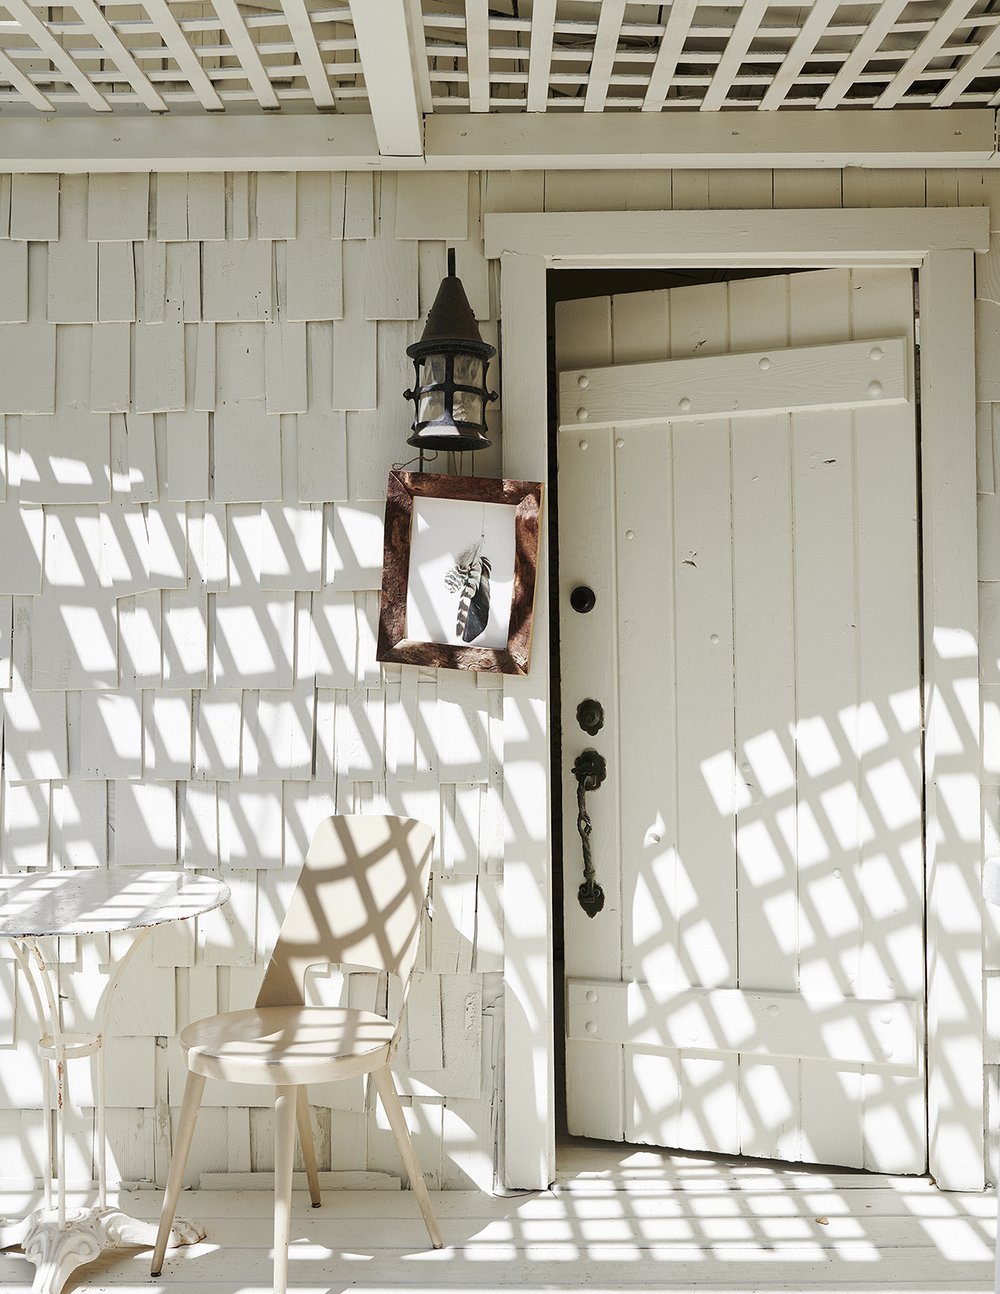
(358, 902)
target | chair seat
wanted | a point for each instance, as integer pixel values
(280, 1045)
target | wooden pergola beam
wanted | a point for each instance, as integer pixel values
(960, 137)
(712, 140)
(393, 92)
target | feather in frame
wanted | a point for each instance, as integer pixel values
(470, 578)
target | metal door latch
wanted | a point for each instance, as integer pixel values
(590, 716)
(590, 770)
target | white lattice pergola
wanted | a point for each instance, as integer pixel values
(401, 64)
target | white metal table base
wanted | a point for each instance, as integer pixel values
(56, 1240)
(57, 1248)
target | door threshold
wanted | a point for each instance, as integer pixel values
(579, 1158)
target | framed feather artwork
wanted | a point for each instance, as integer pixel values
(458, 575)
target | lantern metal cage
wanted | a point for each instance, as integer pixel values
(450, 361)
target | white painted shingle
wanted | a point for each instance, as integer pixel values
(158, 375)
(247, 460)
(27, 367)
(66, 457)
(116, 282)
(118, 207)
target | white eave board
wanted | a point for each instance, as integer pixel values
(459, 141)
(304, 142)
(900, 138)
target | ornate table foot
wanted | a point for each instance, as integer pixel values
(57, 1252)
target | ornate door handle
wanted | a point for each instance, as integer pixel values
(590, 770)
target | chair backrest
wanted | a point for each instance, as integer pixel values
(359, 901)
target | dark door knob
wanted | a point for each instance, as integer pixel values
(590, 716)
(583, 599)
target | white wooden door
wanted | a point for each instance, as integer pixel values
(737, 485)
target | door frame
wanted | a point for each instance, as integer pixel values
(939, 244)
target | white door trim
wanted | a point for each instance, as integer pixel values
(939, 243)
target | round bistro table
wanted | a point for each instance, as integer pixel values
(40, 906)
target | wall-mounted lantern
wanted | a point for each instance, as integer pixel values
(450, 361)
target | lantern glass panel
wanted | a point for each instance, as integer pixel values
(467, 408)
(468, 371)
(434, 370)
(431, 406)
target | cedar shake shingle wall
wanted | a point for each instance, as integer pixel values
(201, 381)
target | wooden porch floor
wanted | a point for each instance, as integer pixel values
(643, 1220)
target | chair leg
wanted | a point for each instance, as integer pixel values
(284, 1153)
(397, 1122)
(306, 1142)
(193, 1089)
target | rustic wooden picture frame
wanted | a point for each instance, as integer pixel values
(524, 498)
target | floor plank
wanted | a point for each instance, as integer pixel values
(623, 1221)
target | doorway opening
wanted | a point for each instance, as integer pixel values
(761, 1078)
(578, 285)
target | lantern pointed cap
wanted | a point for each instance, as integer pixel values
(451, 320)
